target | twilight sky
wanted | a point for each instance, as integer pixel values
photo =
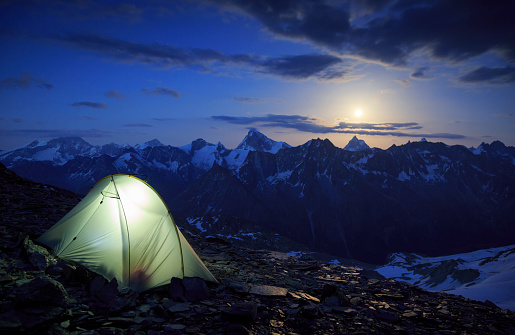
(386, 71)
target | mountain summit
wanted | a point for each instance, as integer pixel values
(356, 145)
(256, 141)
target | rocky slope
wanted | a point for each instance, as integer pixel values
(260, 292)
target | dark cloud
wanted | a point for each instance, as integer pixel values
(89, 104)
(312, 125)
(488, 75)
(448, 30)
(140, 125)
(161, 91)
(26, 80)
(296, 67)
(115, 94)
(420, 73)
(302, 66)
(250, 100)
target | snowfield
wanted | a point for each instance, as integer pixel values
(480, 275)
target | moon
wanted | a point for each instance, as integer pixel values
(358, 112)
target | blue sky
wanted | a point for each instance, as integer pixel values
(128, 72)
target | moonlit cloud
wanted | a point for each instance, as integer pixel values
(90, 104)
(26, 80)
(312, 125)
(161, 91)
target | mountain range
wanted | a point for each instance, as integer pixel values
(357, 202)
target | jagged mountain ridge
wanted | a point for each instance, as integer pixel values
(422, 197)
(419, 197)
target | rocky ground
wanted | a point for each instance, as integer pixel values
(260, 292)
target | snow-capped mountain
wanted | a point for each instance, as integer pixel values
(356, 145)
(481, 275)
(255, 141)
(421, 197)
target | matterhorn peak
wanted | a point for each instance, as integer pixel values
(356, 144)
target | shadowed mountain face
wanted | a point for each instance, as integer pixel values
(420, 197)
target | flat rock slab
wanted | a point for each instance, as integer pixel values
(268, 291)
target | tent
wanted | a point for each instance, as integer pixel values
(123, 229)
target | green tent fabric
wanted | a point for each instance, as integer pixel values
(123, 229)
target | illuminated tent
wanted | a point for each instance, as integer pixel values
(123, 229)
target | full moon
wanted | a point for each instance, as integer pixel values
(358, 112)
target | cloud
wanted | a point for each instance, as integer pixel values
(313, 125)
(321, 67)
(163, 119)
(140, 125)
(391, 32)
(88, 118)
(26, 80)
(115, 94)
(161, 91)
(89, 104)
(420, 73)
(79, 10)
(303, 67)
(488, 75)
(250, 100)
(404, 82)
(53, 133)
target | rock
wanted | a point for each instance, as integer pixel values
(387, 316)
(178, 307)
(268, 290)
(310, 311)
(245, 312)
(236, 286)
(334, 296)
(37, 255)
(195, 289)
(41, 291)
(176, 290)
(105, 293)
(192, 289)
(236, 329)
(303, 296)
